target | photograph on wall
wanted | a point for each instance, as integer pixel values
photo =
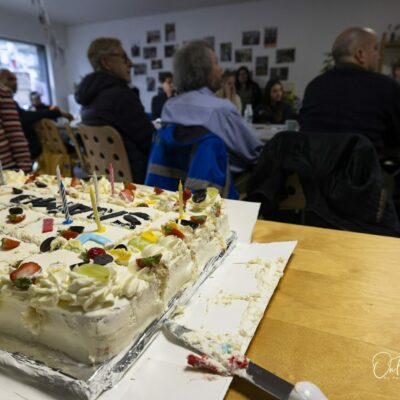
(170, 35)
(169, 50)
(270, 37)
(285, 55)
(226, 52)
(281, 73)
(210, 40)
(243, 55)
(139, 69)
(250, 38)
(262, 66)
(149, 52)
(156, 64)
(151, 84)
(153, 36)
(135, 49)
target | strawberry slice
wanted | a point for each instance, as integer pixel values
(9, 244)
(68, 234)
(198, 219)
(187, 194)
(158, 190)
(171, 228)
(126, 194)
(15, 218)
(75, 182)
(32, 177)
(25, 270)
(94, 252)
(130, 186)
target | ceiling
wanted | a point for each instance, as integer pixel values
(74, 12)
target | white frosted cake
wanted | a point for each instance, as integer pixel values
(90, 293)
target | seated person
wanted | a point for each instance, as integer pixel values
(14, 149)
(197, 75)
(36, 102)
(396, 71)
(353, 97)
(29, 118)
(164, 93)
(228, 90)
(107, 99)
(248, 90)
(273, 110)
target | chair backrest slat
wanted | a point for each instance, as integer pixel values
(104, 145)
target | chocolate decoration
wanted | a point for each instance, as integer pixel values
(199, 196)
(78, 229)
(131, 219)
(121, 246)
(185, 222)
(17, 191)
(15, 211)
(40, 184)
(45, 245)
(144, 216)
(103, 259)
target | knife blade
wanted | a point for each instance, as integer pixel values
(217, 357)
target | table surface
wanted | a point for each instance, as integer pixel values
(336, 307)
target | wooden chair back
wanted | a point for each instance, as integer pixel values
(81, 155)
(54, 151)
(104, 145)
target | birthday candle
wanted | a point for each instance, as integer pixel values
(58, 173)
(111, 170)
(96, 187)
(65, 208)
(180, 200)
(100, 228)
(2, 178)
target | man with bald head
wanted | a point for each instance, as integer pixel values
(353, 97)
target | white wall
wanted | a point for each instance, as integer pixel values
(308, 25)
(28, 29)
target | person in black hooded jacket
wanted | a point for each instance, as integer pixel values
(106, 99)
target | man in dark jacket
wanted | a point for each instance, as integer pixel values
(352, 97)
(106, 99)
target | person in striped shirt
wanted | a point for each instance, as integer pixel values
(14, 148)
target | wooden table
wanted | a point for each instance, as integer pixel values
(337, 306)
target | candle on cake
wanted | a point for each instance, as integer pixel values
(96, 187)
(111, 171)
(100, 228)
(181, 216)
(2, 178)
(65, 208)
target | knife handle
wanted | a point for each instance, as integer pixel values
(306, 391)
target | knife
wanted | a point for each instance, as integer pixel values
(218, 358)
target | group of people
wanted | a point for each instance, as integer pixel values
(20, 144)
(352, 97)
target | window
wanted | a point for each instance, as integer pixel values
(28, 62)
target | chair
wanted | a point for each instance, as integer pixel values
(340, 177)
(54, 151)
(193, 155)
(103, 145)
(82, 157)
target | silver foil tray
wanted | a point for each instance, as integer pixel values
(65, 378)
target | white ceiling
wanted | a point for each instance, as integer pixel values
(73, 12)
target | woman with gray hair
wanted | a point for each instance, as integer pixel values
(107, 99)
(197, 75)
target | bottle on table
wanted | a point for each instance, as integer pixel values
(248, 114)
